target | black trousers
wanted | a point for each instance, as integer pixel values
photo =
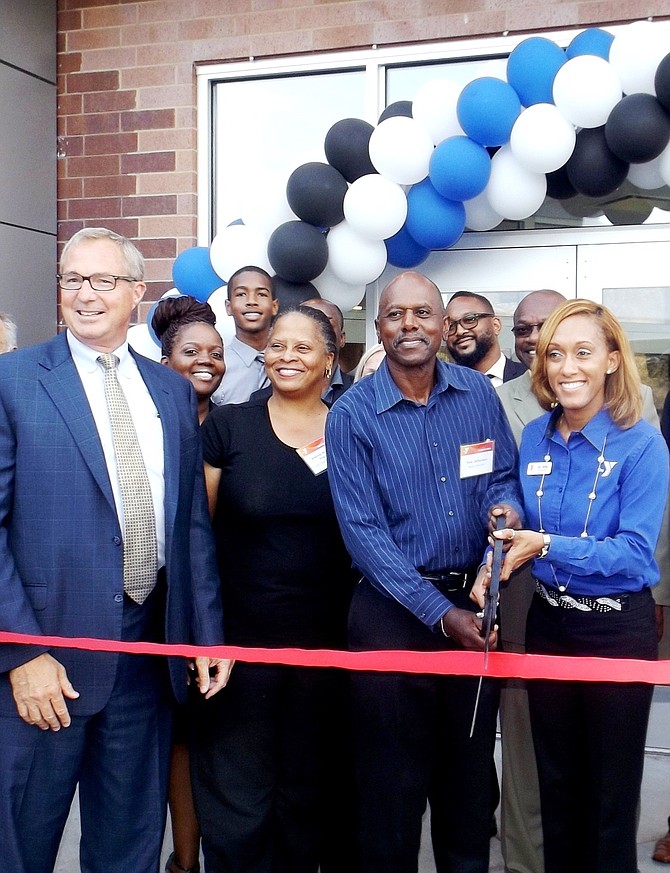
(589, 737)
(258, 756)
(412, 744)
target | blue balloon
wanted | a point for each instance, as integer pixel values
(432, 220)
(487, 110)
(193, 274)
(532, 67)
(404, 251)
(459, 168)
(593, 41)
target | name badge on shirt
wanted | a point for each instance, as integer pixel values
(539, 468)
(314, 455)
(477, 459)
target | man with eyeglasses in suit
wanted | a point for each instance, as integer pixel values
(472, 338)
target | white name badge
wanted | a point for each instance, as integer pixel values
(477, 459)
(539, 468)
(314, 455)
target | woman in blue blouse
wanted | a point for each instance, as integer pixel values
(595, 480)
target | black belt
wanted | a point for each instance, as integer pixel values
(450, 580)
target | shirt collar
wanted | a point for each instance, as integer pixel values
(498, 369)
(246, 353)
(594, 430)
(388, 394)
(87, 358)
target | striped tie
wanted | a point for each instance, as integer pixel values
(139, 538)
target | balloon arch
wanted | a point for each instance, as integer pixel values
(568, 121)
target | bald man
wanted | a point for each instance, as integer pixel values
(420, 456)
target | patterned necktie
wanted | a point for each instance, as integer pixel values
(139, 538)
(263, 380)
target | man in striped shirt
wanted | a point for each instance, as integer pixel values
(419, 455)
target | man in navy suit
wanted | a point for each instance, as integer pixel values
(68, 717)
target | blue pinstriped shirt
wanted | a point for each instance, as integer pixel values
(394, 469)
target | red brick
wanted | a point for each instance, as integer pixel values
(156, 205)
(84, 40)
(149, 119)
(153, 162)
(95, 122)
(159, 248)
(97, 165)
(109, 101)
(110, 144)
(111, 16)
(110, 186)
(70, 188)
(116, 58)
(69, 104)
(78, 83)
(70, 62)
(69, 20)
(70, 146)
(92, 207)
(124, 226)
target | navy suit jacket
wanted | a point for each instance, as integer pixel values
(513, 369)
(61, 554)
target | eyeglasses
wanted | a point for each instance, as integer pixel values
(524, 330)
(98, 281)
(469, 320)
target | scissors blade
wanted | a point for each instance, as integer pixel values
(490, 610)
(493, 591)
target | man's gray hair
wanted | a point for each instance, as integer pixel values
(11, 333)
(131, 254)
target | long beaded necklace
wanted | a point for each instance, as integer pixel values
(563, 587)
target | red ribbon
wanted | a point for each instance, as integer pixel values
(501, 665)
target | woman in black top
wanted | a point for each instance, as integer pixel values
(259, 756)
(191, 345)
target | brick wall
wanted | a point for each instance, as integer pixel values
(126, 88)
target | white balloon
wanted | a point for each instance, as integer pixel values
(400, 149)
(542, 140)
(224, 322)
(513, 191)
(139, 337)
(434, 107)
(635, 54)
(332, 288)
(586, 89)
(479, 214)
(648, 176)
(352, 258)
(236, 246)
(375, 207)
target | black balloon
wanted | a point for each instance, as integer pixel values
(559, 186)
(662, 82)
(347, 148)
(292, 294)
(638, 128)
(400, 107)
(593, 169)
(298, 251)
(315, 192)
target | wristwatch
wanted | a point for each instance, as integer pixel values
(546, 540)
